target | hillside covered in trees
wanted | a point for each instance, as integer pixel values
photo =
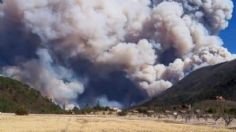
(15, 95)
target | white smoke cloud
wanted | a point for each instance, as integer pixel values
(104, 102)
(55, 82)
(127, 35)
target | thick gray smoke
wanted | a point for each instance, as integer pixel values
(119, 52)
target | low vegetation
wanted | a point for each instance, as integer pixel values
(123, 113)
(21, 111)
(209, 109)
(91, 110)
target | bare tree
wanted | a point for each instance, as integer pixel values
(205, 117)
(187, 117)
(228, 119)
(216, 117)
(198, 116)
(159, 116)
(182, 115)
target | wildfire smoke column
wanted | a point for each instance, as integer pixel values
(77, 52)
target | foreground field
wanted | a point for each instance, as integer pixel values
(72, 123)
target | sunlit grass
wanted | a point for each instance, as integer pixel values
(72, 123)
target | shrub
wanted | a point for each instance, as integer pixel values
(21, 111)
(142, 110)
(76, 110)
(211, 110)
(122, 113)
(232, 111)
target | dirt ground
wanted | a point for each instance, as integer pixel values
(92, 123)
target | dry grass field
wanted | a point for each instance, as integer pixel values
(73, 123)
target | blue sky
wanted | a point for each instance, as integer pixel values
(229, 35)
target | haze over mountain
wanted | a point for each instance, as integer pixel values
(203, 84)
(118, 52)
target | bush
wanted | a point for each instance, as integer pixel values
(122, 113)
(142, 110)
(232, 111)
(21, 111)
(211, 110)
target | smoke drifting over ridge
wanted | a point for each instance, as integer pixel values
(119, 52)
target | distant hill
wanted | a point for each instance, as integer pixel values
(203, 84)
(14, 94)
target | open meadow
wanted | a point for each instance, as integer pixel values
(75, 123)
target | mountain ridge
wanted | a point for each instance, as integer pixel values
(203, 84)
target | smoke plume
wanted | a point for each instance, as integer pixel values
(118, 52)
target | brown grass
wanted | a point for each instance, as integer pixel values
(72, 123)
